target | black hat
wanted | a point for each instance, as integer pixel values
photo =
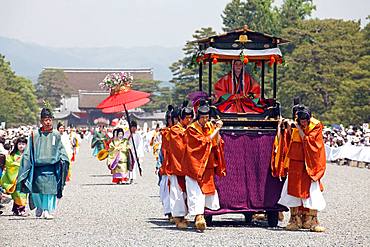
(168, 112)
(186, 111)
(46, 113)
(203, 108)
(133, 123)
(303, 112)
(175, 114)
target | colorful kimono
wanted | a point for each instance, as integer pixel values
(9, 182)
(44, 168)
(156, 143)
(118, 160)
(98, 142)
(241, 86)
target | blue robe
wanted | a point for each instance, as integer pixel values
(44, 167)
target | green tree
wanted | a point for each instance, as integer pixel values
(18, 101)
(292, 11)
(353, 103)
(160, 96)
(324, 54)
(186, 71)
(259, 15)
(51, 86)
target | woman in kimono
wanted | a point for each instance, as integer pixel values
(10, 176)
(99, 140)
(118, 158)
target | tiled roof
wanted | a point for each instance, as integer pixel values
(90, 99)
(88, 79)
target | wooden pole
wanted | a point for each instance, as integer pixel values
(200, 75)
(263, 80)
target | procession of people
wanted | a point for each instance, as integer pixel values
(189, 155)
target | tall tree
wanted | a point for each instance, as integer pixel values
(353, 103)
(51, 86)
(259, 15)
(292, 11)
(160, 96)
(185, 71)
(324, 53)
(18, 104)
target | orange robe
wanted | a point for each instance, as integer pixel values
(279, 168)
(306, 158)
(203, 158)
(176, 149)
(164, 170)
(226, 86)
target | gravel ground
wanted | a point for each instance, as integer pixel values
(94, 212)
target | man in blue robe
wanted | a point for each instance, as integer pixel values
(44, 167)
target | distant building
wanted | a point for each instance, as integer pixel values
(80, 108)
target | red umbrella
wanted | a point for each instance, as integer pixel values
(122, 98)
(129, 106)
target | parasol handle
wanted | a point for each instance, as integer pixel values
(133, 141)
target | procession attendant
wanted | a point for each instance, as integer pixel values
(135, 138)
(67, 144)
(302, 190)
(44, 167)
(155, 142)
(10, 176)
(163, 166)
(177, 176)
(99, 140)
(119, 157)
(203, 159)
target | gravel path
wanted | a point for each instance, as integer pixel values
(95, 212)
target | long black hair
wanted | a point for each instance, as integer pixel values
(21, 139)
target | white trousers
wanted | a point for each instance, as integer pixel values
(315, 201)
(164, 194)
(197, 201)
(177, 198)
(135, 170)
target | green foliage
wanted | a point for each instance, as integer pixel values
(18, 104)
(326, 64)
(258, 15)
(160, 96)
(326, 71)
(186, 71)
(292, 11)
(51, 86)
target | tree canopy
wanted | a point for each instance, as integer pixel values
(18, 100)
(51, 87)
(326, 64)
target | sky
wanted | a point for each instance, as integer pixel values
(131, 23)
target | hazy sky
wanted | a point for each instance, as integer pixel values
(128, 23)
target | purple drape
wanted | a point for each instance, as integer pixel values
(248, 185)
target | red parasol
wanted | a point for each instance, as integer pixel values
(122, 98)
(129, 106)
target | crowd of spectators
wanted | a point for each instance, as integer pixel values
(337, 135)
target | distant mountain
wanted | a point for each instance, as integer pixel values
(28, 59)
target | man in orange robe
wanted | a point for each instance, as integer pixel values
(237, 82)
(306, 159)
(203, 159)
(176, 174)
(163, 168)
